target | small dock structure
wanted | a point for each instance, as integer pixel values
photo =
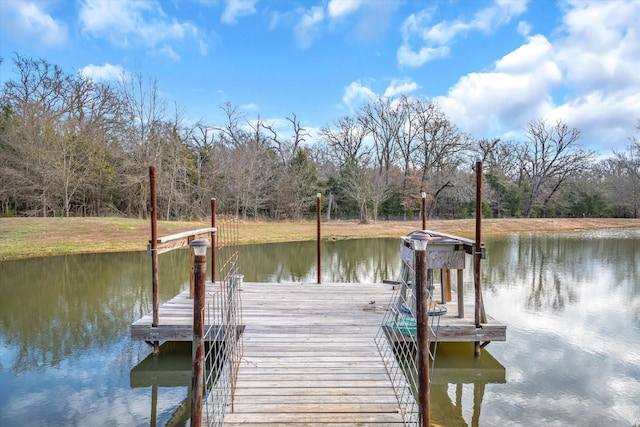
(309, 351)
(317, 354)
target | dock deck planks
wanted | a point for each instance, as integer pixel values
(309, 352)
(310, 357)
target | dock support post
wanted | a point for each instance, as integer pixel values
(197, 348)
(154, 251)
(319, 247)
(477, 256)
(213, 240)
(422, 332)
(423, 210)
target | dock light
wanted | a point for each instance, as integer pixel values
(419, 241)
(200, 246)
(318, 195)
(423, 195)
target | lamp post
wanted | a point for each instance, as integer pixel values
(197, 349)
(422, 326)
(319, 250)
(423, 212)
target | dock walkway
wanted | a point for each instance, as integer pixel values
(310, 357)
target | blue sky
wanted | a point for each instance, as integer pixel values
(492, 66)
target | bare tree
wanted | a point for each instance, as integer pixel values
(442, 149)
(549, 159)
(626, 173)
(287, 149)
(346, 138)
(383, 119)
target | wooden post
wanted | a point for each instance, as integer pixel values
(478, 252)
(154, 405)
(197, 349)
(446, 285)
(423, 211)
(154, 251)
(213, 240)
(460, 293)
(422, 321)
(192, 272)
(319, 247)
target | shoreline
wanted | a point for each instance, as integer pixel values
(22, 238)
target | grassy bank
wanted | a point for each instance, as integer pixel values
(35, 237)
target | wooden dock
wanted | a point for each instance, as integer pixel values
(309, 355)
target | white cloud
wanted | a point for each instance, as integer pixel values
(103, 72)
(515, 92)
(169, 53)
(400, 87)
(409, 58)
(306, 28)
(28, 21)
(133, 24)
(524, 28)
(340, 8)
(356, 94)
(586, 76)
(434, 39)
(237, 8)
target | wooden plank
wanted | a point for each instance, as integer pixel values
(310, 358)
(309, 355)
(186, 234)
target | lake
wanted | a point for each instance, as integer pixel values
(571, 303)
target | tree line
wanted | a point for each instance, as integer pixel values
(74, 146)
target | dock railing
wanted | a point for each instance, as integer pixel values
(223, 314)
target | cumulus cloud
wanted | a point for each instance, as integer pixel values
(29, 21)
(516, 91)
(587, 75)
(433, 39)
(103, 72)
(237, 8)
(133, 24)
(356, 94)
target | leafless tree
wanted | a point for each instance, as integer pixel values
(383, 119)
(346, 139)
(549, 158)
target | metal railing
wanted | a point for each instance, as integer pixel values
(398, 339)
(223, 332)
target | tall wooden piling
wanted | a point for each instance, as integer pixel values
(197, 349)
(479, 309)
(319, 246)
(423, 209)
(154, 250)
(422, 332)
(213, 240)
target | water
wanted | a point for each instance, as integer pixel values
(571, 303)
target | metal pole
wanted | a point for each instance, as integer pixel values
(423, 211)
(197, 349)
(154, 251)
(422, 320)
(319, 249)
(213, 240)
(478, 251)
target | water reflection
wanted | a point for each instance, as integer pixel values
(55, 307)
(351, 261)
(571, 303)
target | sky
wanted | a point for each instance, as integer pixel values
(492, 66)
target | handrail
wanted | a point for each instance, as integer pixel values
(184, 234)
